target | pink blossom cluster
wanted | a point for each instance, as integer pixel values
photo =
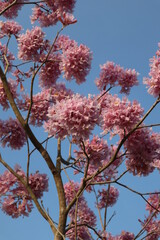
(114, 75)
(10, 12)
(99, 154)
(50, 71)
(66, 19)
(62, 5)
(76, 63)
(75, 116)
(9, 28)
(75, 60)
(84, 213)
(3, 97)
(48, 14)
(32, 45)
(107, 198)
(41, 102)
(123, 236)
(97, 150)
(5, 54)
(64, 42)
(45, 18)
(142, 150)
(59, 92)
(153, 83)
(15, 200)
(154, 200)
(82, 233)
(152, 228)
(12, 134)
(39, 107)
(119, 115)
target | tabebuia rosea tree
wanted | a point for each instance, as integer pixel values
(30, 85)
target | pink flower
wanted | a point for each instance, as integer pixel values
(54, 10)
(42, 101)
(84, 213)
(39, 107)
(82, 233)
(64, 42)
(114, 75)
(32, 44)
(120, 115)
(50, 71)
(154, 201)
(12, 134)
(9, 28)
(62, 5)
(14, 198)
(38, 183)
(45, 18)
(66, 19)
(75, 116)
(153, 83)
(76, 63)
(142, 150)
(99, 154)
(107, 198)
(97, 150)
(11, 12)
(152, 229)
(123, 236)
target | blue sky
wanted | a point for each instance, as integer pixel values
(126, 32)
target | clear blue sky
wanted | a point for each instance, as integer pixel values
(126, 32)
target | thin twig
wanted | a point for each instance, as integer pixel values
(8, 7)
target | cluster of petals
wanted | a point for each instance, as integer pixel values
(152, 228)
(99, 154)
(39, 109)
(114, 75)
(63, 42)
(32, 45)
(66, 19)
(84, 214)
(45, 18)
(11, 12)
(142, 150)
(120, 115)
(75, 116)
(41, 102)
(123, 236)
(48, 13)
(59, 92)
(15, 201)
(50, 71)
(12, 134)
(107, 197)
(3, 97)
(9, 28)
(82, 233)
(76, 63)
(96, 149)
(154, 200)
(62, 5)
(6, 54)
(153, 82)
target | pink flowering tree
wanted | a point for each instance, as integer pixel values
(30, 86)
